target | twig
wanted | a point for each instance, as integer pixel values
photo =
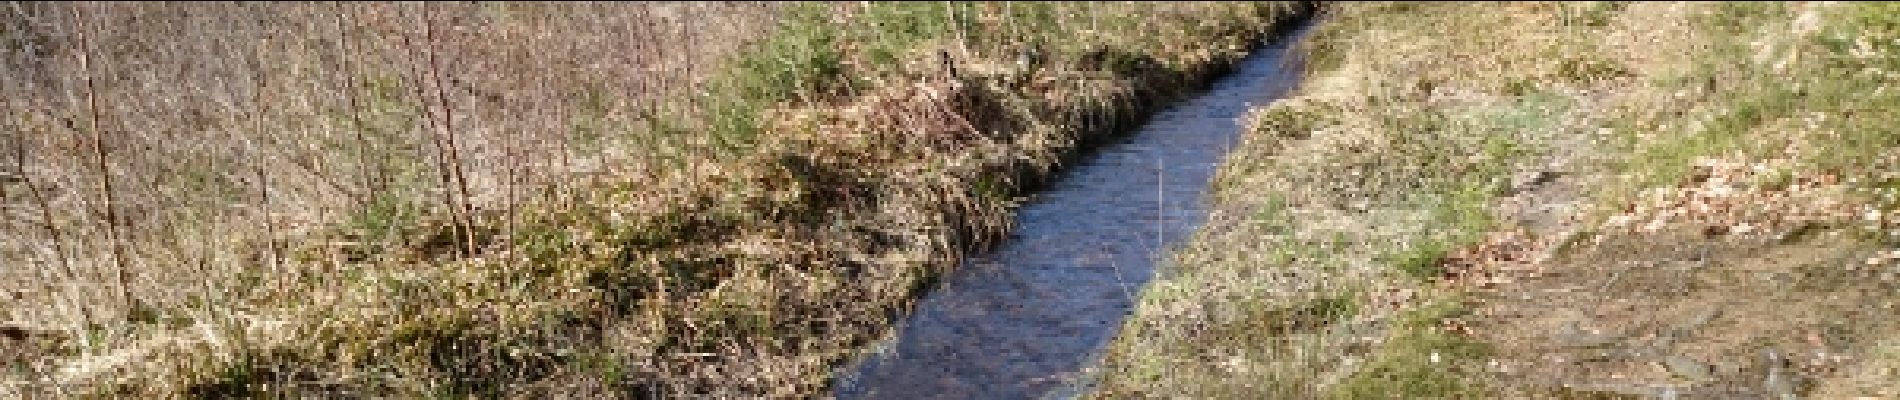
(512, 153)
(258, 78)
(375, 184)
(963, 38)
(646, 85)
(693, 97)
(47, 221)
(441, 155)
(99, 153)
(565, 142)
(448, 125)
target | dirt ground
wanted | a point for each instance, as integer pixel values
(1684, 306)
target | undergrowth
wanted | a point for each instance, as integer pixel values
(739, 236)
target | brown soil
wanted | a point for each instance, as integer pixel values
(1685, 308)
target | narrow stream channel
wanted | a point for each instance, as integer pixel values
(1023, 320)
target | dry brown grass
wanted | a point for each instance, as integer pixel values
(227, 129)
(171, 160)
(530, 200)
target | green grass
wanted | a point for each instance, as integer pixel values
(1419, 361)
(1416, 365)
(799, 62)
(1746, 111)
(1423, 262)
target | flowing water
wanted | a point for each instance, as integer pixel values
(1023, 320)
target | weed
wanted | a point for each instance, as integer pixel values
(1422, 262)
(1419, 361)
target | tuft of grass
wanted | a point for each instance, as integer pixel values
(1419, 361)
(1423, 262)
(800, 61)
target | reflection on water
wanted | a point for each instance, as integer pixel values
(1023, 320)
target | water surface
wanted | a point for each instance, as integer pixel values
(1023, 320)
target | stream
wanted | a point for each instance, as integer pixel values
(1025, 319)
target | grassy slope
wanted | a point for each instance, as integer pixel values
(1412, 223)
(837, 170)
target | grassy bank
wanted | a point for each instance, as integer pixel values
(623, 216)
(1549, 200)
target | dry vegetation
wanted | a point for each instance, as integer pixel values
(1551, 200)
(225, 130)
(514, 199)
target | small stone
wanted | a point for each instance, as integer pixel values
(1778, 383)
(1714, 230)
(1688, 368)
